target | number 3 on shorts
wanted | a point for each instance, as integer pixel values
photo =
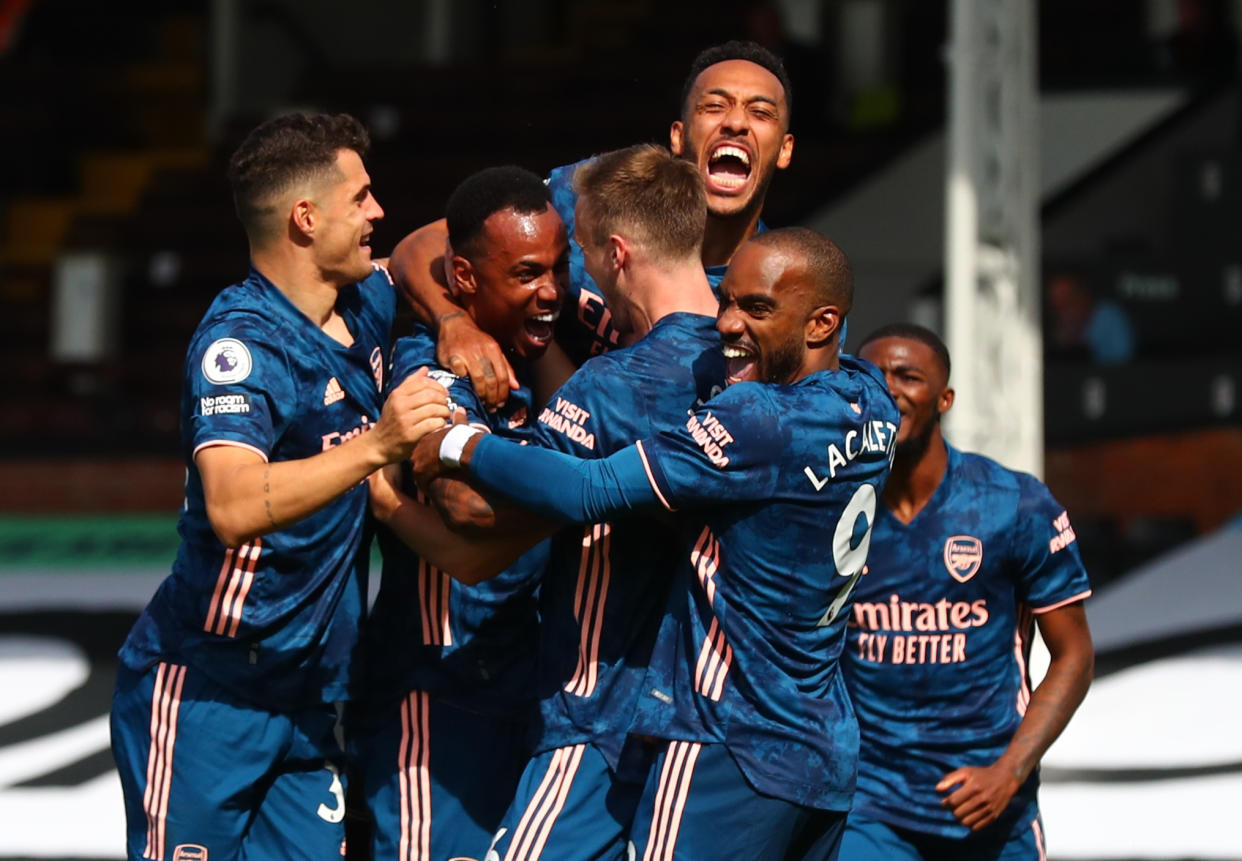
(333, 814)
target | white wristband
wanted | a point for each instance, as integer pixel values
(454, 442)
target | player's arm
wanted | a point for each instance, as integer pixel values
(549, 483)
(417, 267)
(470, 559)
(981, 794)
(246, 496)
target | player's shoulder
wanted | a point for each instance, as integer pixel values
(676, 340)
(241, 311)
(979, 469)
(1020, 491)
(372, 300)
(866, 378)
(414, 350)
(562, 177)
(854, 392)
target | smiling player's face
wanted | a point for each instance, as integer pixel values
(519, 272)
(763, 316)
(918, 382)
(347, 210)
(735, 129)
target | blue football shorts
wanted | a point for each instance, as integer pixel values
(869, 840)
(437, 778)
(697, 804)
(208, 776)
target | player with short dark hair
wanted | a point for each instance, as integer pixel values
(442, 736)
(733, 126)
(601, 599)
(775, 482)
(967, 557)
(225, 719)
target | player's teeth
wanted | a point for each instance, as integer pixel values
(735, 353)
(736, 152)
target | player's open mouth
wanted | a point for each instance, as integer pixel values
(728, 167)
(541, 326)
(365, 242)
(740, 363)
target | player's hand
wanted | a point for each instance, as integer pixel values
(981, 794)
(461, 506)
(415, 408)
(425, 459)
(386, 496)
(467, 351)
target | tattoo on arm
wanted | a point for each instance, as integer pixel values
(448, 315)
(267, 495)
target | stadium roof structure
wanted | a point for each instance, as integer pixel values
(1188, 597)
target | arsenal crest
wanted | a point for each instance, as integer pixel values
(963, 554)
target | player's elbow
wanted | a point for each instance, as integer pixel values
(231, 530)
(472, 575)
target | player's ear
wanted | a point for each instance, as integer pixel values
(786, 152)
(945, 401)
(304, 217)
(674, 137)
(461, 276)
(822, 324)
(619, 251)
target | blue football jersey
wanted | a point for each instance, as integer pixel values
(605, 590)
(472, 646)
(936, 660)
(779, 485)
(585, 326)
(275, 620)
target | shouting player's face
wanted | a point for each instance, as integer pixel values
(346, 210)
(514, 284)
(917, 379)
(735, 128)
(763, 317)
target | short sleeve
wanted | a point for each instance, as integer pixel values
(723, 452)
(1052, 574)
(239, 387)
(416, 351)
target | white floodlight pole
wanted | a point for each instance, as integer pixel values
(992, 304)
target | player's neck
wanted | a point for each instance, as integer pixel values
(825, 357)
(723, 235)
(301, 282)
(917, 472)
(681, 288)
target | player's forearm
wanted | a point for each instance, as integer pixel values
(559, 486)
(417, 268)
(259, 498)
(1052, 705)
(470, 560)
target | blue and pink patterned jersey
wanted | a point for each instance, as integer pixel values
(940, 634)
(275, 620)
(775, 488)
(470, 645)
(605, 589)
